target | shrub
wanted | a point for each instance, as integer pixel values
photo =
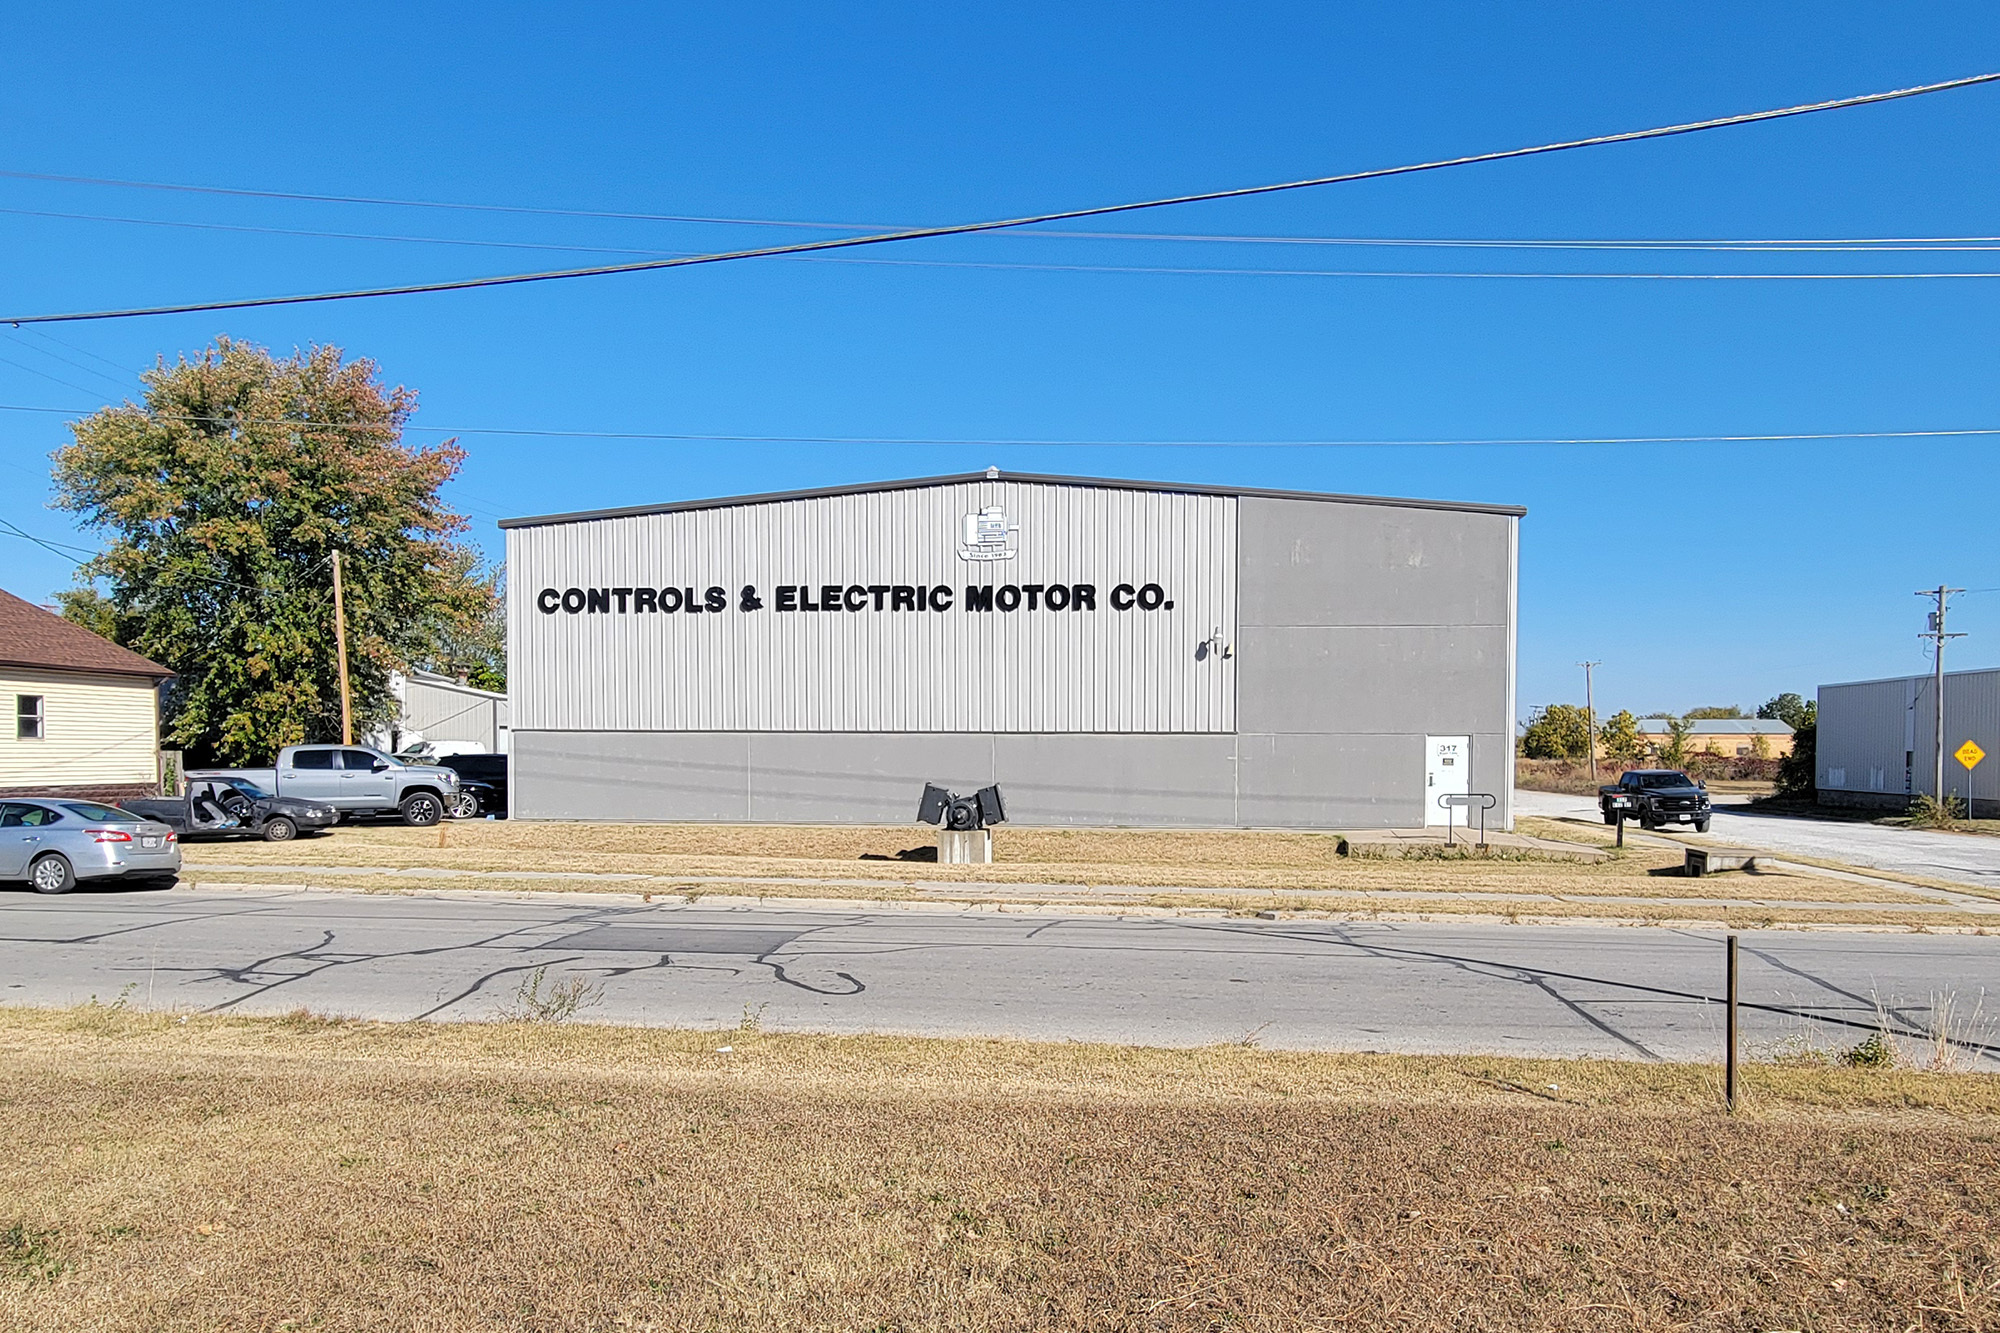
(1930, 812)
(1732, 767)
(1875, 1051)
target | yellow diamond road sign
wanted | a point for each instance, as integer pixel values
(1969, 754)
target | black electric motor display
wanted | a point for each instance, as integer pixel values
(946, 809)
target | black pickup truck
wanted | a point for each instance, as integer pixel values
(231, 806)
(1656, 796)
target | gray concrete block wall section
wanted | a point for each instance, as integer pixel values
(1378, 626)
(1079, 781)
(1361, 629)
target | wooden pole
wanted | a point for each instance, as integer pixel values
(340, 642)
(1729, 1059)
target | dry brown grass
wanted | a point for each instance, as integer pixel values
(301, 1174)
(1231, 867)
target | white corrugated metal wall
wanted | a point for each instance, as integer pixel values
(443, 711)
(898, 671)
(1874, 732)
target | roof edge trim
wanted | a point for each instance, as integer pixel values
(1031, 478)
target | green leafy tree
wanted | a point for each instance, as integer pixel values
(1621, 739)
(1713, 713)
(1792, 710)
(1557, 731)
(474, 651)
(223, 498)
(1798, 772)
(1674, 751)
(95, 612)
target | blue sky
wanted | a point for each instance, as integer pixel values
(1707, 573)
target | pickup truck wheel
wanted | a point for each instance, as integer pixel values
(1610, 818)
(51, 874)
(465, 805)
(280, 828)
(1645, 820)
(1701, 826)
(422, 810)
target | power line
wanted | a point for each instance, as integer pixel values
(312, 234)
(1537, 275)
(25, 345)
(60, 549)
(1941, 246)
(53, 379)
(805, 224)
(46, 336)
(1752, 245)
(1833, 244)
(970, 228)
(696, 437)
(376, 201)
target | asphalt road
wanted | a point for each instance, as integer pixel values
(1965, 858)
(1623, 992)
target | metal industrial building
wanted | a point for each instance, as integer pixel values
(1109, 652)
(1877, 740)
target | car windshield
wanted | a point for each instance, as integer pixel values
(103, 814)
(249, 788)
(1665, 780)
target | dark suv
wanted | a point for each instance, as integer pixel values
(490, 769)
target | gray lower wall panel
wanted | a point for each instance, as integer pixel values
(870, 777)
(1152, 781)
(1330, 781)
(1189, 781)
(630, 775)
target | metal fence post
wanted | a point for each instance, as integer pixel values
(1729, 1057)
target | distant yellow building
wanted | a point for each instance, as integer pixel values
(81, 715)
(1732, 736)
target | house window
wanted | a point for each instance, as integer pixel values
(28, 717)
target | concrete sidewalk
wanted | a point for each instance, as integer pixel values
(1405, 842)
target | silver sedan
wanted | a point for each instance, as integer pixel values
(54, 841)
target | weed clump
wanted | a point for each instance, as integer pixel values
(555, 1002)
(29, 1254)
(1875, 1051)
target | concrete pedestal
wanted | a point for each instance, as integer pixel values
(965, 847)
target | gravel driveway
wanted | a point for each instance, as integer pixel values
(1964, 858)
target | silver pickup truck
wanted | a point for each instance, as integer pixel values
(356, 780)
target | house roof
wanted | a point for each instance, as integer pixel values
(994, 474)
(1720, 726)
(436, 681)
(33, 637)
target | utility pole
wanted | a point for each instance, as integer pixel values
(1937, 636)
(340, 642)
(1590, 713)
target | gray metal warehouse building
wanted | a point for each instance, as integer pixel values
(1877, 740)
(1109, 652)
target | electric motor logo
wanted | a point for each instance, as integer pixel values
(987, 535)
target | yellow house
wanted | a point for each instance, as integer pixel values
(79, 716)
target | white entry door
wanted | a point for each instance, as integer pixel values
(1447, 771)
